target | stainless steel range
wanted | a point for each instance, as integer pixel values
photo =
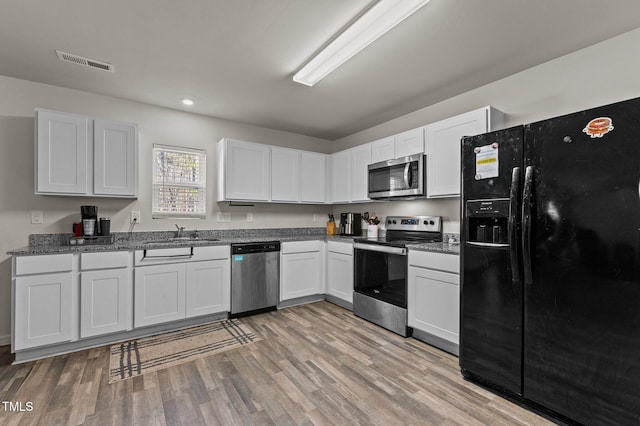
(380, 279)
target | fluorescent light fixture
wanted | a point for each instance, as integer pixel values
(187, 101)
(377, 20)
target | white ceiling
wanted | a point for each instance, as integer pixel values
(236, 57)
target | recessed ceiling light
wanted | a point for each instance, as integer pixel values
(373, 23)
(187, 101)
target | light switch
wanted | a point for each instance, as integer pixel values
(37, 216)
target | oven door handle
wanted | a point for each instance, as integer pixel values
(402, 251)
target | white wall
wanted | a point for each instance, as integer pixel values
(598, 75)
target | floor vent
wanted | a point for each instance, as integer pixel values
(81, 60)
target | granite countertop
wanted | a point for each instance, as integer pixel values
(441, 247)
(40, 244)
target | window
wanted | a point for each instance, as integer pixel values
(179, 182)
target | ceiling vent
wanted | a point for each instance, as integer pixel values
(81, 60)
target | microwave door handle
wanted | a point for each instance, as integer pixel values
(407, 175)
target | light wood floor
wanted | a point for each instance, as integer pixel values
(316, 364)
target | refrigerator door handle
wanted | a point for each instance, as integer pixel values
(527, 202)
(513, 224)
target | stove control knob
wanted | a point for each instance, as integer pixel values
(389, 221)
(431, 222)
(425, 222)
(394, 221)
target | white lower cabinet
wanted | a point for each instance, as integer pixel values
(301, 269)
(104, 297)
(61, 300)
(340, 270)
(159, 294)
(42, 310)
(42, 300)
(208, 287)
(105, 293)
(433, 299)
(178, 283)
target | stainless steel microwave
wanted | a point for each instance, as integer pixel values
(398, 178)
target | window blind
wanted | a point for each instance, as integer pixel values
(179, 182)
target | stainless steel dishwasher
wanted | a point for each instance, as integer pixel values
(255, 277)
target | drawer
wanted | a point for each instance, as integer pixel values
(211, 252)
(299, 246)
(337, 247)
(438, 261)
(113, 259)
(43, 264)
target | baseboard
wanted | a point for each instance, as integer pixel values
(338, 301)
(300, 301)
(5, 340)
(436, 341)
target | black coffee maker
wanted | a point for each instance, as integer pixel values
(350, 224)
(89, 220)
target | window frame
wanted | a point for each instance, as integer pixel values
(159, 204)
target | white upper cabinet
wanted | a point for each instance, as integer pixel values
(62, 153)
(383, 149)
(406, 143)
(350, 174)
(312, 177)
(250, 171)
(443, 144)
(410, 142)
(341, 182)
(297, 176)
(79, 155)
(115, 158)
(360, 160)
(244, 171)
(285, 174)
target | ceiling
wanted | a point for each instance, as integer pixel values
(236, 58)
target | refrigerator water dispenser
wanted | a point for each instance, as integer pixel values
(487, 221)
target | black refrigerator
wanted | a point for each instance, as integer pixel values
(550, 272)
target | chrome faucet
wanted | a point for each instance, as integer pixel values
(180, 231)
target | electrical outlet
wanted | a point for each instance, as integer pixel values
(37, 216)
(316, 217)
(135, 216)
(223, 217)
(249, 217)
